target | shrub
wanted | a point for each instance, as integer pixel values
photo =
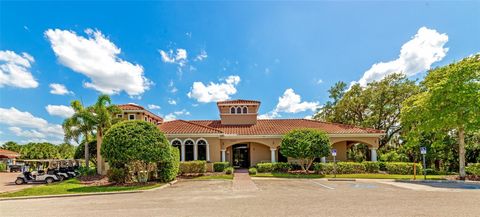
(281, 167)
(371, 167)
(473, 169)
(402, 168)
(350, 168)
(84, 171)
(252, 171)
(323, 168)
(382, 166)
(305, 145)
(3, 167)
(393, 156)
(168, 170)
(265, 167)
(117, 175)
(197, 166)
(220, 166)
(229, 170)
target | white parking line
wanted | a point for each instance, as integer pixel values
(325, 186)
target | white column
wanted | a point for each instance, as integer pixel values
(195, 151)
(272, 153)
(323, 159)
(223, 155)
(182, 156)
(374, 154)
(208, 152)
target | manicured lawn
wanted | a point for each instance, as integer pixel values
(73, 186)
(352, 176)
(214, 177)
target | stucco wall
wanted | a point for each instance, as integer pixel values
(259, 153)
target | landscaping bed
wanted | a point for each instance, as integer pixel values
(352, 176)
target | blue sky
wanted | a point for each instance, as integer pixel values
(285, 54)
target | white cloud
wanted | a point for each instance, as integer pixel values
(172, 102)
(60, 110)
(416, 56)
(59, 89)
(96, 57)
(15, 118)
(214, 91)
(172, 87)
(319, 81)
(15, 70)
(173, 116)
(152, 106)
(201, 56)
(290, 102)
(31, 134)
(180, 57)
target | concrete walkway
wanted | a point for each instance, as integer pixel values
(242, 181)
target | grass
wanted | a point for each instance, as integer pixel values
(73, 186)
(214, 177)
(352, 176)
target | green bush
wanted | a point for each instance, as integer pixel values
(382, 166)
(393, 156)
(402, 168)
(117, 175)
(350, 168)
(252, 171)
(220, 166)
(371, 167)
(3, 167)
(197, 166)
(168, 170)
(229, 170)
(83, 171)
(265, 167)
(473, 169)
(281, 167)
(323, 168)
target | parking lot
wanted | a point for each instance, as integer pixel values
(273, 197)
(7, 182)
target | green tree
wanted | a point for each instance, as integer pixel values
(102, 117)
(130, 141)
(305, 145)
(42, 150)
(79, 126)
(449, 103)
(12, 146)
(375, 106)
(80, 151)
(66, 151)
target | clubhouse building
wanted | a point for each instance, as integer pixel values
(242, 139)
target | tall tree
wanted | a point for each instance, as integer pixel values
(12, 146)
(450, 102)
(66, 151)
(102, 116)
(79, 126)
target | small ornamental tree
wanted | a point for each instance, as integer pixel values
(130, 141)
(305, 145)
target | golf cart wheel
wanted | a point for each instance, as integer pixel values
(49, 180)
(19, 181)
(60, 178)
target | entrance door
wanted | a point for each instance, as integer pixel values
(241, 156)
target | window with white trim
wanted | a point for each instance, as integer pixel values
(189, 149)
(131, 117)
(232, 110)
(245, 110)
(202, 150)
(178, 144)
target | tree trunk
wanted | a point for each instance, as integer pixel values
(461, 152)
(100, 163)
(87, 153)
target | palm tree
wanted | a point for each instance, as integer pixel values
(79, 126)
(102, 114)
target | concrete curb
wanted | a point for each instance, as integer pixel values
(89, 194)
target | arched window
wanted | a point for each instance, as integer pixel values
(202, 150)
(189, 150)
(232, 110)
(178, 144)
(239, 110)
(245, 110)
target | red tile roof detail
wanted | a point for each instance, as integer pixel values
(238, 101)
(262, 127)
(135, 107)
(8, 153)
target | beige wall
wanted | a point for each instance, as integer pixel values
(236, 119)
(259, 153)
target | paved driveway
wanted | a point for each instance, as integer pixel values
(272, 198)
(7, 182)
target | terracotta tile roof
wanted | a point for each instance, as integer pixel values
(186, 127)
(238, 101)
(262, 127)
(8, 153)
(135, 107)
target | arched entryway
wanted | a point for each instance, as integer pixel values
(368, 147)
(244, 154)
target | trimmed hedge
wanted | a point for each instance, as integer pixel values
(473, 169)
(371, 167)
(342, 168)
(281, 167)
(3, 167)
(252, 171)
(229, 170)
(402, 168)
(117, 175)
(168, 170)
(197, 166)
(265, 167)
(323, 168)
(220, 166)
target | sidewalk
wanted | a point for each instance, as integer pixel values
(242, 181)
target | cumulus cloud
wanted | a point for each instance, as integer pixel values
(59, 89)
(172, 102)
(172, 87)
(95, 56)
(179, 57)
(213, 92)
(173, 116)
(15, 70)
(416, 56)
(30, 134)
(20, 119)
(60, 110)
(153, 107)
(290, 102)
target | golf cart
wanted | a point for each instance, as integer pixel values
(36, 176)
